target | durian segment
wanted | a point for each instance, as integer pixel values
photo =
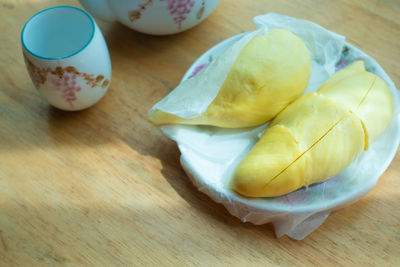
(272, 153)
(363, 93)
(264, 171)
(328, 157)
(329, 129)
(376, 110)
(270, 72)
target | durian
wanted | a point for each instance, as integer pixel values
(271, 71)
(318, 135)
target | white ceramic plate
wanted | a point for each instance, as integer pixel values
(358, 179)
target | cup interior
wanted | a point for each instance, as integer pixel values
(58, 32)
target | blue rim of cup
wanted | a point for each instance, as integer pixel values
(63, 57)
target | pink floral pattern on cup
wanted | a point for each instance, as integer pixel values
(64, 79)
(179, 9)
(67, 86)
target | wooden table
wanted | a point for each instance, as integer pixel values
(104, 187)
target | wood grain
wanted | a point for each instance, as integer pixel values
(104, 187)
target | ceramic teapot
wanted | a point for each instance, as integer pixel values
(157, 17)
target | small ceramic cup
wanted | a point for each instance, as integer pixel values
(66, 57)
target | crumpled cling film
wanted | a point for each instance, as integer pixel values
(192, 98)
(210, 154)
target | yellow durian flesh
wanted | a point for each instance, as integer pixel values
(270, 72)
(281, 162)
(376, 110)
(363, 93)
(320, 135)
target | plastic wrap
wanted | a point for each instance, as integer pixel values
(209, 155)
